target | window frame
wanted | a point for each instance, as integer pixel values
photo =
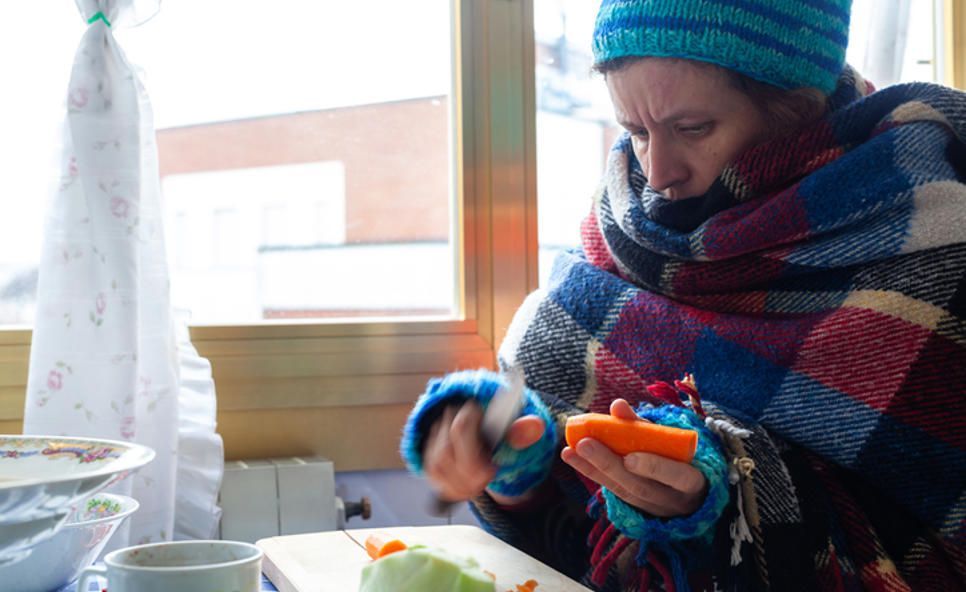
(351, 374)
(953, 33)
(342, 389)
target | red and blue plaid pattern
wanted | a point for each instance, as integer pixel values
(821, 295)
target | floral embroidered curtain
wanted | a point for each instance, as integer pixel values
(107, 358)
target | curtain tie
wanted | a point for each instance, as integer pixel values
(99, 15)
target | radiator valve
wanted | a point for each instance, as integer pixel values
(361, 508)
(346, 510)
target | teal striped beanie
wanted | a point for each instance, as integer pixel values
(787, 43)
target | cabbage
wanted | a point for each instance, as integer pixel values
(422, 569)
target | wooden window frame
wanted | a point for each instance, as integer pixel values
(342, 389)
(954, 43)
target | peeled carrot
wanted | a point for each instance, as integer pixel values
(624, 436)
(379, 545)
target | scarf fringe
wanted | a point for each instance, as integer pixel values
(669, 584)
(596, 532)
(689, 388)
(725, 429)
(665, 393)
(738, 530)
(645, 580)
(672, 395)
(608, 544)
(602, 568)
(609, 534)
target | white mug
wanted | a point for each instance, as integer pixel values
(185, 566)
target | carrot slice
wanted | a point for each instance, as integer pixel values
(380, 544)
(624, 436)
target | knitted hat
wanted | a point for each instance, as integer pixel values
(788, 43)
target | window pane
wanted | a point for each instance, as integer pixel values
(575, 121)
(313, 143)
(36, 62)
(893, 42)
(304, 154)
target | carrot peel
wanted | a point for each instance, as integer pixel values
(623, 436)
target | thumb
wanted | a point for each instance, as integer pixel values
(622, 409)
(524, 431)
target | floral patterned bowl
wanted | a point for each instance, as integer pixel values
(42, 478)
(58, 560)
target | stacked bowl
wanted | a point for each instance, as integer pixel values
(43, 479)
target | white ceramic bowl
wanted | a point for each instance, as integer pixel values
(42, 478)
(59, 559)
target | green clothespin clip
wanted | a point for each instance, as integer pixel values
(99, 15)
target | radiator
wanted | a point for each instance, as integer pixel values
(277, 496)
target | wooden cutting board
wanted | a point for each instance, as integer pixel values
(333, 561)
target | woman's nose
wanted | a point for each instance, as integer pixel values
(663, 166)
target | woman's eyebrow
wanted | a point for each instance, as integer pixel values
(671, 117)
(685, 114)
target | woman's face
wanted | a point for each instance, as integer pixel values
(687, 122)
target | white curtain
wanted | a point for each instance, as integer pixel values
(107, 356)
(887, 30)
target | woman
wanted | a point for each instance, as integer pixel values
(795, 244)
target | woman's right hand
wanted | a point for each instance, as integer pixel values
(457, 462)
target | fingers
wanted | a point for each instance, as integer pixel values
(464, 433)
(525, 431)
(588, 460)
(457, 462)
(453, 457)
(678, 475)
(657, 485)
(621, 408)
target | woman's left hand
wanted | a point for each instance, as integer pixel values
(659, 486)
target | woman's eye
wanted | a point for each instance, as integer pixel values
(695, 130)
(639, 134)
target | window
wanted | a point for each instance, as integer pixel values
(307, 385)
(575, 126)
(270, 230)
(334, 120)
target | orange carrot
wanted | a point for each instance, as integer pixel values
(380, 544)
(624, 436)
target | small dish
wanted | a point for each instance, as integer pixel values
(58, 560)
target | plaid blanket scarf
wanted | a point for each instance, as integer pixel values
(817, 295)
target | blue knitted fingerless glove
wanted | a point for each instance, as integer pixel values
(519, 470)
(709, 458)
